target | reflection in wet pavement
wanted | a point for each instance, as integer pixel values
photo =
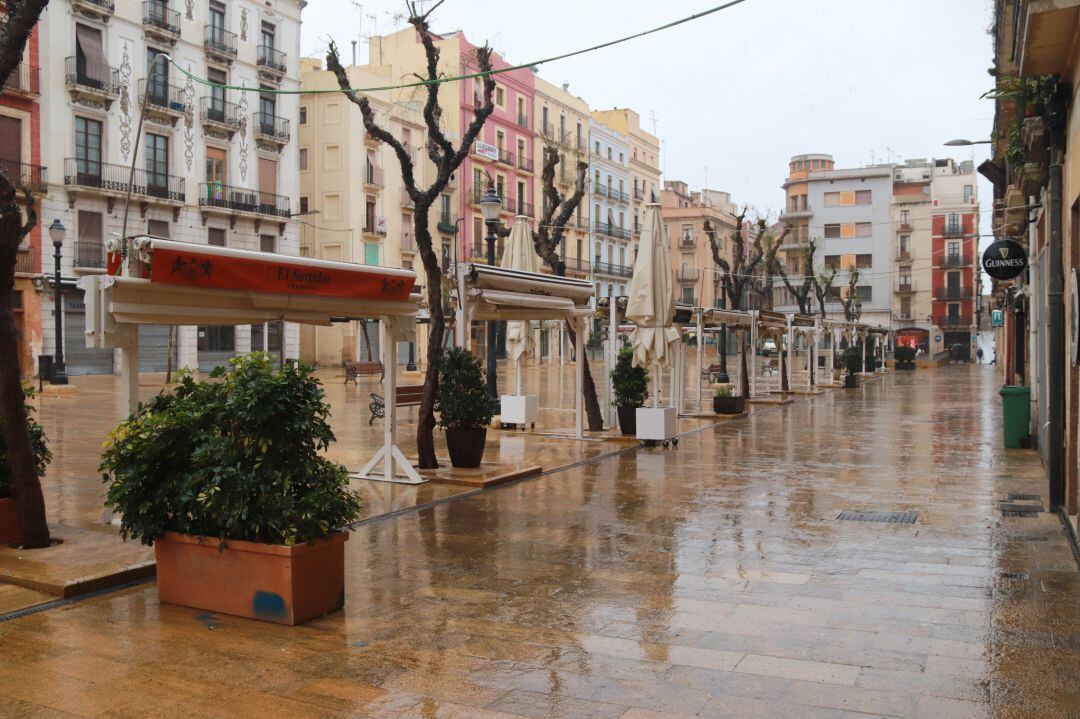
(713, 580)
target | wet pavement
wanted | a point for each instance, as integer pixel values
(713, 580)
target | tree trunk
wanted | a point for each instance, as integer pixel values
(588, 387)
(170, 348)
(367, 340)
(785, 386)
(425, 422)
(25, 486)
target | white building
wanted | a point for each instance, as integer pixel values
(213, 166)
(609, 203)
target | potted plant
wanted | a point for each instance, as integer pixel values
(464, 407)
(10, 533)
(630, 386)
(852, 359)
(725, 400)
(905, 357)
(225, 479)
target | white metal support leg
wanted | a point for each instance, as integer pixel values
(389, 454)
(129, 367)
(579, 379)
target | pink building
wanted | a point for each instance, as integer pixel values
(503, 151)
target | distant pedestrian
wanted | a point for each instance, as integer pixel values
(979, 355)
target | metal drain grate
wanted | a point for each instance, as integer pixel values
(1016, 497)
(1011, 509)
(852, 515)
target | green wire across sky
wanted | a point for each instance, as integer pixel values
(456, 78)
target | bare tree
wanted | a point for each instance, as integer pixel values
(802, 292)
(823, 287)
(21, 16)
(446, 159)
(851, 302)
(738, 276)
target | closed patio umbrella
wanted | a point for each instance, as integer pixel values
(651, 304)
(519, 255)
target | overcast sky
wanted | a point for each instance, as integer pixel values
(737, 93)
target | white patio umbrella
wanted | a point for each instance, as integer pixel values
(651, 304)
(519, 255)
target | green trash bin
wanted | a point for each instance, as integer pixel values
(1016, 407)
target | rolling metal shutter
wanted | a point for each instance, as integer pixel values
(77, 358)
(154, 348)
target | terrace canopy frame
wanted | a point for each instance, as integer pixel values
(497, 293)
(181, 283)
(809, 327)
(767, 322)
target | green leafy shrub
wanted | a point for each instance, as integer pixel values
(723, 390)
(462, 400)
(852, 359)
(630, 384)
(904, 354)
(235, 458)
(42, 455)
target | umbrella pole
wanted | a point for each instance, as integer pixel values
(700, 350)
(656, 385)
(517, 378)
(579, 378)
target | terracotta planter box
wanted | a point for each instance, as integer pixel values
(9, 522)
(271, 582)
(729, 405)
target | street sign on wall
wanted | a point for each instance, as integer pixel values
(485, 150)
(997, 318)
(1005, 260)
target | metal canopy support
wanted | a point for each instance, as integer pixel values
(753, 354)
(579, 377)
(613, 357)
(700, 355)
(790, 348)
(389, 454)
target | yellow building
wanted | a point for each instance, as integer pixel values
(353, 203)
(562, 125)
(685, 212)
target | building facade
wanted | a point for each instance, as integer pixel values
(609, 200)
(913, 253)
(956, 281)
(21, 161)
(644, 160)
(685, 214)
(352, 197)
(562, 126)
(213, 165)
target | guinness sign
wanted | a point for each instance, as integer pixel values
(1005, 260)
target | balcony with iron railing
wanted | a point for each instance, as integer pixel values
(373, 176)
(271, 61)
(163, 98)
(270, 128)
(407, 242)
(219, 42)
(796, 213)
(903, 256)
(948, 321)
(953, 229)
(90, 254)
(526, 208)
(525, 164)
(577, 264)
(687, 242)
(82, 86)
(905, 228)
(639, 193)
(523, 120)
(600, 189)
(905, 288)
(607, 268)
(113, 180)
(606, 228)
(953, 293)
(373, 229)
(548, 131)
(505, 157)
(478, 192)
(218, 196)
(618, 195)
(217, 114)
(24, 81)
(447, 223)
(161, 22)
(25, 177)
(953, 260)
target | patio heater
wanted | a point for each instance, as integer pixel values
(490, 206)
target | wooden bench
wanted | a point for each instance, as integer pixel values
(710, 371)
(407, 396)
(355, 369)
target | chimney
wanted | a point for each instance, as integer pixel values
(566, 87)
(354, 53)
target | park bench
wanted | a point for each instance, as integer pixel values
(355, 369)
(710, 371)
(407, 396)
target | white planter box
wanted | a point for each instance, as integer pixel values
(656, 423)
(520, 408)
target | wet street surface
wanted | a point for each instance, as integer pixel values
(712, 580)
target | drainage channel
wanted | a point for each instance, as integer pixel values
(58, 603)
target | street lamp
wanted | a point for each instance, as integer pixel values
(490, 206)
(56, 233)
(722, 375)
(965, 143)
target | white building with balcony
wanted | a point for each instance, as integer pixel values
(213, 166)
(609, 208)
